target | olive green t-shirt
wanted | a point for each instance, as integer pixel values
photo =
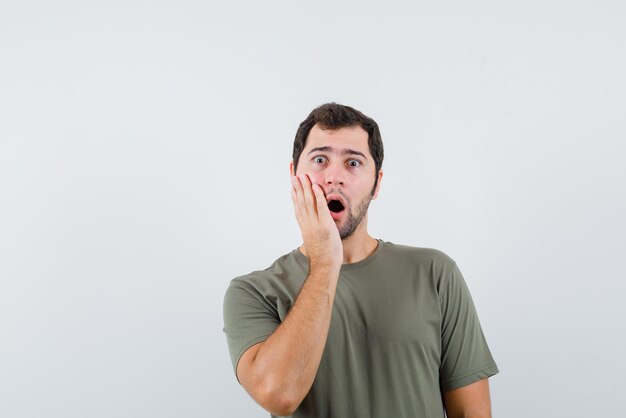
(403, 330)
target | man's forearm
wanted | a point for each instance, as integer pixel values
(288, 360)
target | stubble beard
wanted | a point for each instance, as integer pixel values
(353, 220)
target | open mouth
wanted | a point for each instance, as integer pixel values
(335, 206)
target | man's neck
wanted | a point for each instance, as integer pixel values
(355, 250)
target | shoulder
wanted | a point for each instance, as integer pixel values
(432, 256)
(264, 280)
(426, 262)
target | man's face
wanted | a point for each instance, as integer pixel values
(341, 163)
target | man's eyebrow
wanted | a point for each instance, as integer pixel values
(345, 151)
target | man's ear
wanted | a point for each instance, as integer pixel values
(291, 169)
(380, 177)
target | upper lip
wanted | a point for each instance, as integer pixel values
(335, 197)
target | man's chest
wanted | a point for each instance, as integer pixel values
(392, 310)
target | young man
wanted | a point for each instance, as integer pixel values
(347, 325)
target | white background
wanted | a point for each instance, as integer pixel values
(144, 151)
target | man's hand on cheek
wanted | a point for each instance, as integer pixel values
(319, 232)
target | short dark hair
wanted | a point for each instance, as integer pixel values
(336, 116)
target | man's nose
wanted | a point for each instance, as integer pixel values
(334, 175)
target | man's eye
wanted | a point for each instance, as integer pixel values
(354, 163)
(319, 159)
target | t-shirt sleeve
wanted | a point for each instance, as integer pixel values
(248, 319)
(465, 356)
